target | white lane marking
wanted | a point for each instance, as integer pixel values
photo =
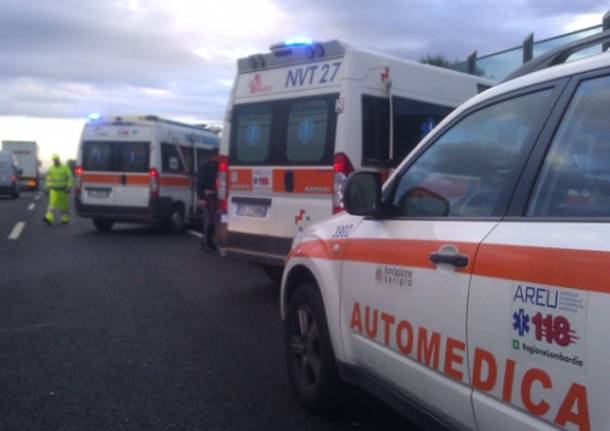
(17, 230)
(36, 197)
(195, 233)
(31, 206)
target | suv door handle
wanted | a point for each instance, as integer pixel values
(457, 260)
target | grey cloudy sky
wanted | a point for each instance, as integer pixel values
(65, 58)
(176, 58)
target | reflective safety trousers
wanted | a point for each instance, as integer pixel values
(59, 178)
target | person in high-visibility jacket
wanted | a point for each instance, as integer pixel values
(58, 185)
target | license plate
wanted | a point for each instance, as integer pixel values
(251, 210)
(98, 193)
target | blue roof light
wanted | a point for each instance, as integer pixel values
(297, 41)
(94, 116)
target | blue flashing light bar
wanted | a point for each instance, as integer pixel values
(298, 41)
(94, 116)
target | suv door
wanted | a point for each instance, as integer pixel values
(406, 275)
(540, 299)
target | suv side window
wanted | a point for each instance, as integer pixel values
(465, 172)
(575, 176)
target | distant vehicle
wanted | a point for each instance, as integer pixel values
(9, 173)
(26, 153)
(140, 169)
(304, 116)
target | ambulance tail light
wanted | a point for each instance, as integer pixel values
(78, 171)
(342, 168)
(153, 183)
(221, 184)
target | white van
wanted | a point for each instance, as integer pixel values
(301, 118)
(140, 169)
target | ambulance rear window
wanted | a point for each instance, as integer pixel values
(133, 157)
(253, 134)
(307, 132)
(98, 156)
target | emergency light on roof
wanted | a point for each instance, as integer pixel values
(298, 41)
(94, 116)
(311, 47)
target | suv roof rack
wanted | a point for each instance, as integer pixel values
(559, 55)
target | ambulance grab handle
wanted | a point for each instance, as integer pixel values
(457, 260)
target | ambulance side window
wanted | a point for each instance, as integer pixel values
(187, 152)
(171, 162)
(470, 170)
(375, 130)
(575, 177)
(202, 156)
(413, 120)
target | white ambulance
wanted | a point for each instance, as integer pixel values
(472, 291)
(140, 169)
(301, 118)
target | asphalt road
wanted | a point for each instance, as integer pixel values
(139, 330)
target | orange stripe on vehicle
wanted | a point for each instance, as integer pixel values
(240, 179)
(138, 180)
(403, 252)
(578, 269)
(317, 249)
(175, 181)
(308, 181)
(99, 178)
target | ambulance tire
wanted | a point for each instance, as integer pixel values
(175, 221)
(103, 224)
(273, 273)
(319, 391)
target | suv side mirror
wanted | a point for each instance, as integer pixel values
(362, 194)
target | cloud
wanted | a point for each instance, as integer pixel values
(66, 58)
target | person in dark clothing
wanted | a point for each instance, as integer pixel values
(206, 193)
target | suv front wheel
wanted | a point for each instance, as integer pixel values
(309, 354)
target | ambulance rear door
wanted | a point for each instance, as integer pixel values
(133, 160)
(98, 178)
(281, 154)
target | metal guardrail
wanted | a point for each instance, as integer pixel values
(499, 65)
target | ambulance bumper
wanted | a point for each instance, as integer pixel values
(260, 249)
(157, 211)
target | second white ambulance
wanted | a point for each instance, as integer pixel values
(140, 169)
(304, 116)
(472, 291)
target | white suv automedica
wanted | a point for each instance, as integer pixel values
(472, 291)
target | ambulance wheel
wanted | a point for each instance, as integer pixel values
(103, 224)
(273, 273)
(310, 359)
(175, 221)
